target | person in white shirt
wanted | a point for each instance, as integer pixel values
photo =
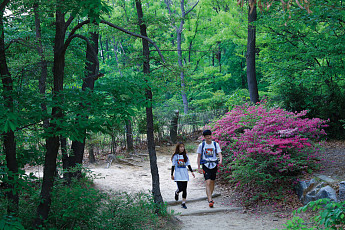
(207, 157)
(180, 162)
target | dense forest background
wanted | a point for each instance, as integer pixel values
(115, 74)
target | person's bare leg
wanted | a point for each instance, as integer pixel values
(208, 190)
(211, 187)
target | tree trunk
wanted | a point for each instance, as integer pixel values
(102, 50)
(173, 127)
(157, 196)
(8, 136)
(129, 136)
(251, 72)
(92, 158)
(179, 54)
(52, 143)
(43, 63)
(78, 147)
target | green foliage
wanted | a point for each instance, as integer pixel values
(80, 206)
(300, 57)
(191, 148)
(327, 214)
(125, 211)
(10, 223)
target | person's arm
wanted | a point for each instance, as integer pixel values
(172, 172)
(198, 163)
(190, 169)
(220, 154)
(220, 158)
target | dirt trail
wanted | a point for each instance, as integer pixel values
(132, 179)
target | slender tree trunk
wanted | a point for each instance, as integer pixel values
(52, 143)
(157, 196)
(179, 54)
(251, 72)
(107, 48)
(183, 86)
(92, 158)
(8, 136)
(219, 56)
(129, 136)
(173, 127)
(116, 57)
(43, 63)
(102, 50)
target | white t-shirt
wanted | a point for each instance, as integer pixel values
(209, 155)
(181, 171)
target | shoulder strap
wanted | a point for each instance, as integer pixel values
(215, 147)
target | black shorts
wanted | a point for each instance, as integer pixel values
(209, 174)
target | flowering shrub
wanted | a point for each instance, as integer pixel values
(267, 146)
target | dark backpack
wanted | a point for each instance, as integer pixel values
(203, 161)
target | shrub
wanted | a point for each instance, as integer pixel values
(80, 206)
(263, 147)
(328, 215)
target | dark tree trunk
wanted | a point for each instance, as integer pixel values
(92, 158)
(129, 136)
(251, 72)
(52, 143)
(43, 63)
(107, 48)
(8, 136)
(173, 127)
(91, 68)
(157, 196)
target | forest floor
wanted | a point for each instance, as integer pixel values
(227, 213)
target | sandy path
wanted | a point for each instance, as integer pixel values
(119, 177)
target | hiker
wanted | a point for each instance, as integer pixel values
(207, 157)
(180, 162)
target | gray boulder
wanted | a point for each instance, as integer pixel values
(327, 192)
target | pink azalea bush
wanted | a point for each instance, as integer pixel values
(263, 147)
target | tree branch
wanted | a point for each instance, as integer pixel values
(18, 41)
(69, 39)
(118, 28)
(78, 26)
(3, 4)
(69, 21)
(192, 8)
(135, 35)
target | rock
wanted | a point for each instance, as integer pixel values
(342, 191)
(301, 186)
(325, 178)
(326, 192)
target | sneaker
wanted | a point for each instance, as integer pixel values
(211, 203)
(176, 196)
(184, 206)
